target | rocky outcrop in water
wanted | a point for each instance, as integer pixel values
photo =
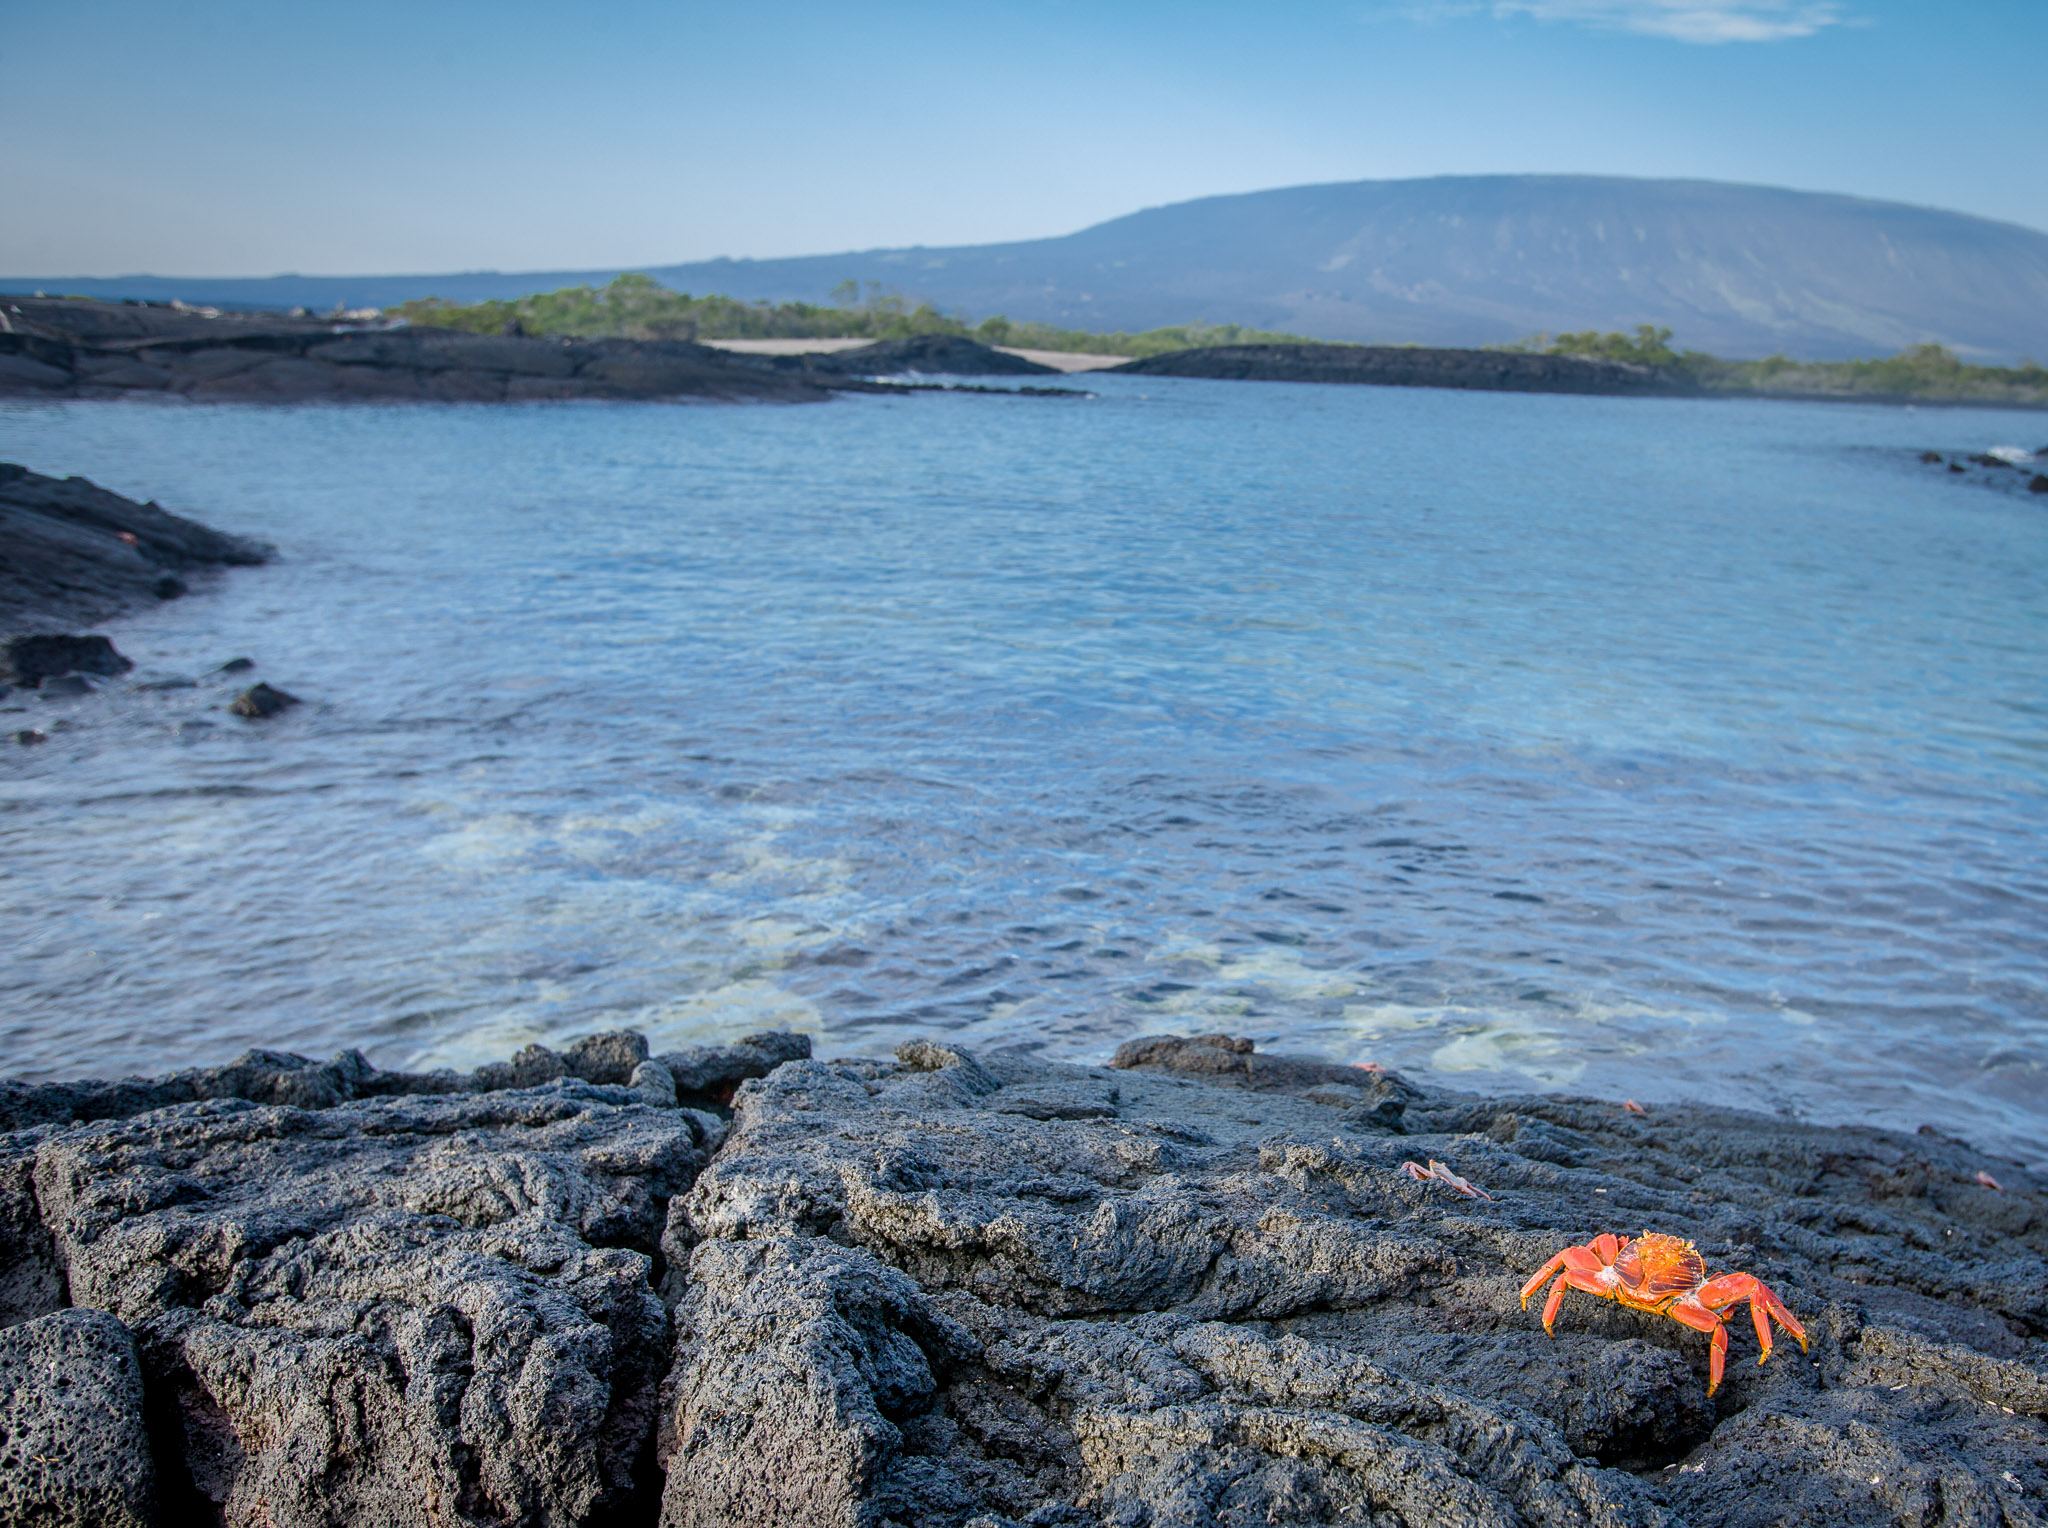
(73, 554)
(59, 347)
(929, 355)
(1500, 371)
(952, 1291)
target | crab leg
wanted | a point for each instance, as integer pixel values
(1764, 1307)
(1688, 1311)
(1551, 1305)
(1587, 1279)
(1582, 1269)
(1543, 1274)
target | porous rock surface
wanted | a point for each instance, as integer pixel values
(410, 1310)
(738, 1286)
(74, 1452)
(702, 1076)
(374, 1298)
(985, 1291)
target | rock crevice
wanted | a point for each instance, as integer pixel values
(737, 1285)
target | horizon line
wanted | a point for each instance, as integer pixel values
(622, 269)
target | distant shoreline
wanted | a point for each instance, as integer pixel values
(1058, 360)
(55, 347)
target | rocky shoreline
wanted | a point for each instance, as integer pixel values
(1501, 371)
(739, 1285)
(74, 554)
(54, 347)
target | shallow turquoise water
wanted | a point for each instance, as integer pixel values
(1633, 747)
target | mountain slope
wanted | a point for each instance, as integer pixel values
(1465, 260)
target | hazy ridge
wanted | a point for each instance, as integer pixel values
(1455, 260)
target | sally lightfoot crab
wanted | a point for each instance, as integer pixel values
(1665, 1274)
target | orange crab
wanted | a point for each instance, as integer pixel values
(1665, 1274)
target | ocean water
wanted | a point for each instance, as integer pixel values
(1670, 750)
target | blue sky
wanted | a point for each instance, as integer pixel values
(237, 138)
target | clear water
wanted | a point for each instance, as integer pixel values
(1667, 750)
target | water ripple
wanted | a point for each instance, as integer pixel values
(1646, 748)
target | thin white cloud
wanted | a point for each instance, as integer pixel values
(1694, 21)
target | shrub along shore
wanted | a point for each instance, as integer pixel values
(635, 339)
(639, 307)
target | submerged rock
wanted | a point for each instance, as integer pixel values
(927, 355)
(260, 701)
(29, 661)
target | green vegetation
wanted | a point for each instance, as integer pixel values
(1000, 331)
(640, 308)
(1926, 373)
(1650, 345)
(1930, 373)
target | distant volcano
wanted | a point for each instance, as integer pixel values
(1453, 260)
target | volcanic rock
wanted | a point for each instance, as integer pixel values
(1413, 366)
(28, 661)
(261, 700)
(1195, 1290)
(1202, 1306)
(74, 1452)
(404, 1310)
(71, 348)
(926, 354)
(75, 554)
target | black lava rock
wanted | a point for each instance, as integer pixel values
(76, 1447)
(28, 661)
(948, 1289)
(925, 355)
(261, 700)
(78, 554)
